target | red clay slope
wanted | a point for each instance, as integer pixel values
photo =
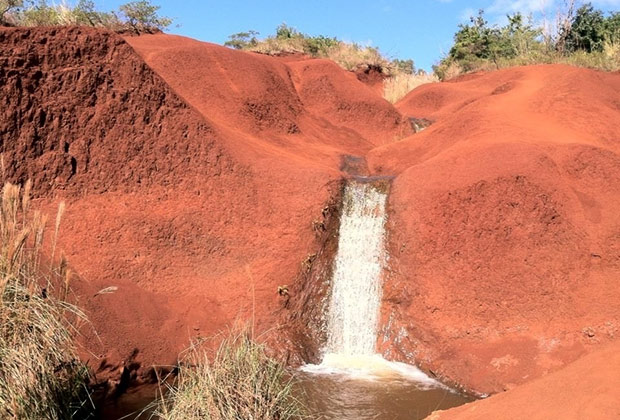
(586, 389)
(505, 224)
(296, 106)
(194, 195)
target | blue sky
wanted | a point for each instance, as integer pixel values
(421, 30)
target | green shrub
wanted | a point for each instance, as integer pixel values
(403, 66)
(478, 46)
(239, 382)
(242, 40)
(350, 56)
(40, 374)
(138, 16)
(142, 16)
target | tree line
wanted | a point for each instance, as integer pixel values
(584, 32)
(138, 16)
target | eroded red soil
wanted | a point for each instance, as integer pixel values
(505, 224)
(196, 177)
(586, 389)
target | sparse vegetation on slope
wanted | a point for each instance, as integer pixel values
(288, 40)
(240, 382)
(137, 16)
(585, 37)
(401, 75)
(40, 374)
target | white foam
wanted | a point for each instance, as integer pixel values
(370, 367)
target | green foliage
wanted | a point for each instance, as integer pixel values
(242, 40)
(287, 40)
(40, 14)
(480, 46)
(591, 30)
(612, 28)
(404, 66)
(139, 16)
(319, 46)
(142, 16)
(477, 42)
(85, 13)
(587, 31)
(287, 32)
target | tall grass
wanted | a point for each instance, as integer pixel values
(396, 87)
(40, 375)
(240, 382)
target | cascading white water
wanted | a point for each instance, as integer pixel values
(356, 282)
(354, 307)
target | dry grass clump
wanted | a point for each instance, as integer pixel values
(40, 375)
(351, 56)
(239, 382)
(396, 87)
(277, 46)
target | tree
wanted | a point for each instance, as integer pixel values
(285, 32)
(142, 16)
(612, 29)
(404, 66)
(41, 14)
(8, 6)
(318, 46)
(587, 31)
(242, 40)
(85, 14)
(523, 37)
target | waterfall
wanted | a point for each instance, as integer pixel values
(353, 316)
(355, 300)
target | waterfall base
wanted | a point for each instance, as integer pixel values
(371, 367)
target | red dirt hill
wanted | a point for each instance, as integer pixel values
(194, 174)
(586, 389)
(505, 224)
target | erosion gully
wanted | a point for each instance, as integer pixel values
(352, 381)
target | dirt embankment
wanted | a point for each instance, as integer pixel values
(198, 189)
(195, 189)
(586, 389)
(505, 224)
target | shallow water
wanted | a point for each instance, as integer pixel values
(346, 397)
(330, 396)
(131, 405)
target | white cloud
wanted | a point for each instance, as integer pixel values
(502, 7)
